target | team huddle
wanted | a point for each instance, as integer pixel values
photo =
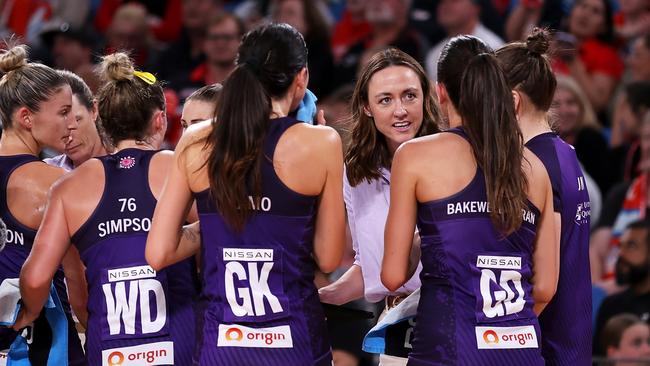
(207, 255)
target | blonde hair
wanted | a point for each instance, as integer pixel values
(587, 114)
(24, 84)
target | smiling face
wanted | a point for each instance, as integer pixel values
(50, 124)
(395, 103)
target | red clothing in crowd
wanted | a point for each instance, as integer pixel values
(597, 57)
(168, 29)
(19, 13)
(348, 32)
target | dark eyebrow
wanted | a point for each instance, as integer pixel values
(382, 94)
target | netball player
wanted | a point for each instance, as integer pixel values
(479, 198)
(84, 142)
(269, 193)
(393, 102)
(134, 312)
(566, 321)
(200, 105)
(35, 104)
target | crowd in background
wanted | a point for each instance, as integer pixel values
(601, 55)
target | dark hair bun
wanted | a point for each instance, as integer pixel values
(538, 41)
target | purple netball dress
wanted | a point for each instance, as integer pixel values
(261, 305)
(136, 315)
(19, 243)
(566, 321)
(476, 305)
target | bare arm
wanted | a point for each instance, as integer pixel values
(400, 224)
(50, 246)
(167, 243)
(598, 86)
(75, 276)
(546, 257)
(329, 238)
(348, 287)
(521, 20)
(598, 248)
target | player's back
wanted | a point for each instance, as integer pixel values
(476, 305)
(566, 321)
(134, 312)
(261, 306)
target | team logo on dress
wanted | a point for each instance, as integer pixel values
(159, 353)
(506, 337)
(490, 336)
(127, 162)
(583, 213)
(234, 334)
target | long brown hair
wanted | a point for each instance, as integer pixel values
(368, 151)
(483, 98)
(269, 59)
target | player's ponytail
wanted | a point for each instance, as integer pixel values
(481, 94)
(269, 59)
(497, 143)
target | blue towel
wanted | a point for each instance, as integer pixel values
(18, 352)
(307, 110)
(375, 340)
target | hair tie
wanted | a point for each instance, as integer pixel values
(254, 66)
(147, 77)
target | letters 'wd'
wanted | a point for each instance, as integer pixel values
(129, 293)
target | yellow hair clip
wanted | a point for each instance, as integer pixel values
(147, 77)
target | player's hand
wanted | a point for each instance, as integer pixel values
(24, 319)
(320, 118)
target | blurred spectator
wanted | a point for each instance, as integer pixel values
(305, 16)
(575, 121)
(587, 52)
(629, 111)
(459, 17)
(632, 20)
(638, 61)
(222, 38)
(633, 270)
(163, 16)
(129, 32)
(626, 337)
(172, 112)
(23, 18)
(181, 57)
(336, 108)
(73, 12)
(625, 203)
(72, 49)
(352, 28)
(388, 20)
